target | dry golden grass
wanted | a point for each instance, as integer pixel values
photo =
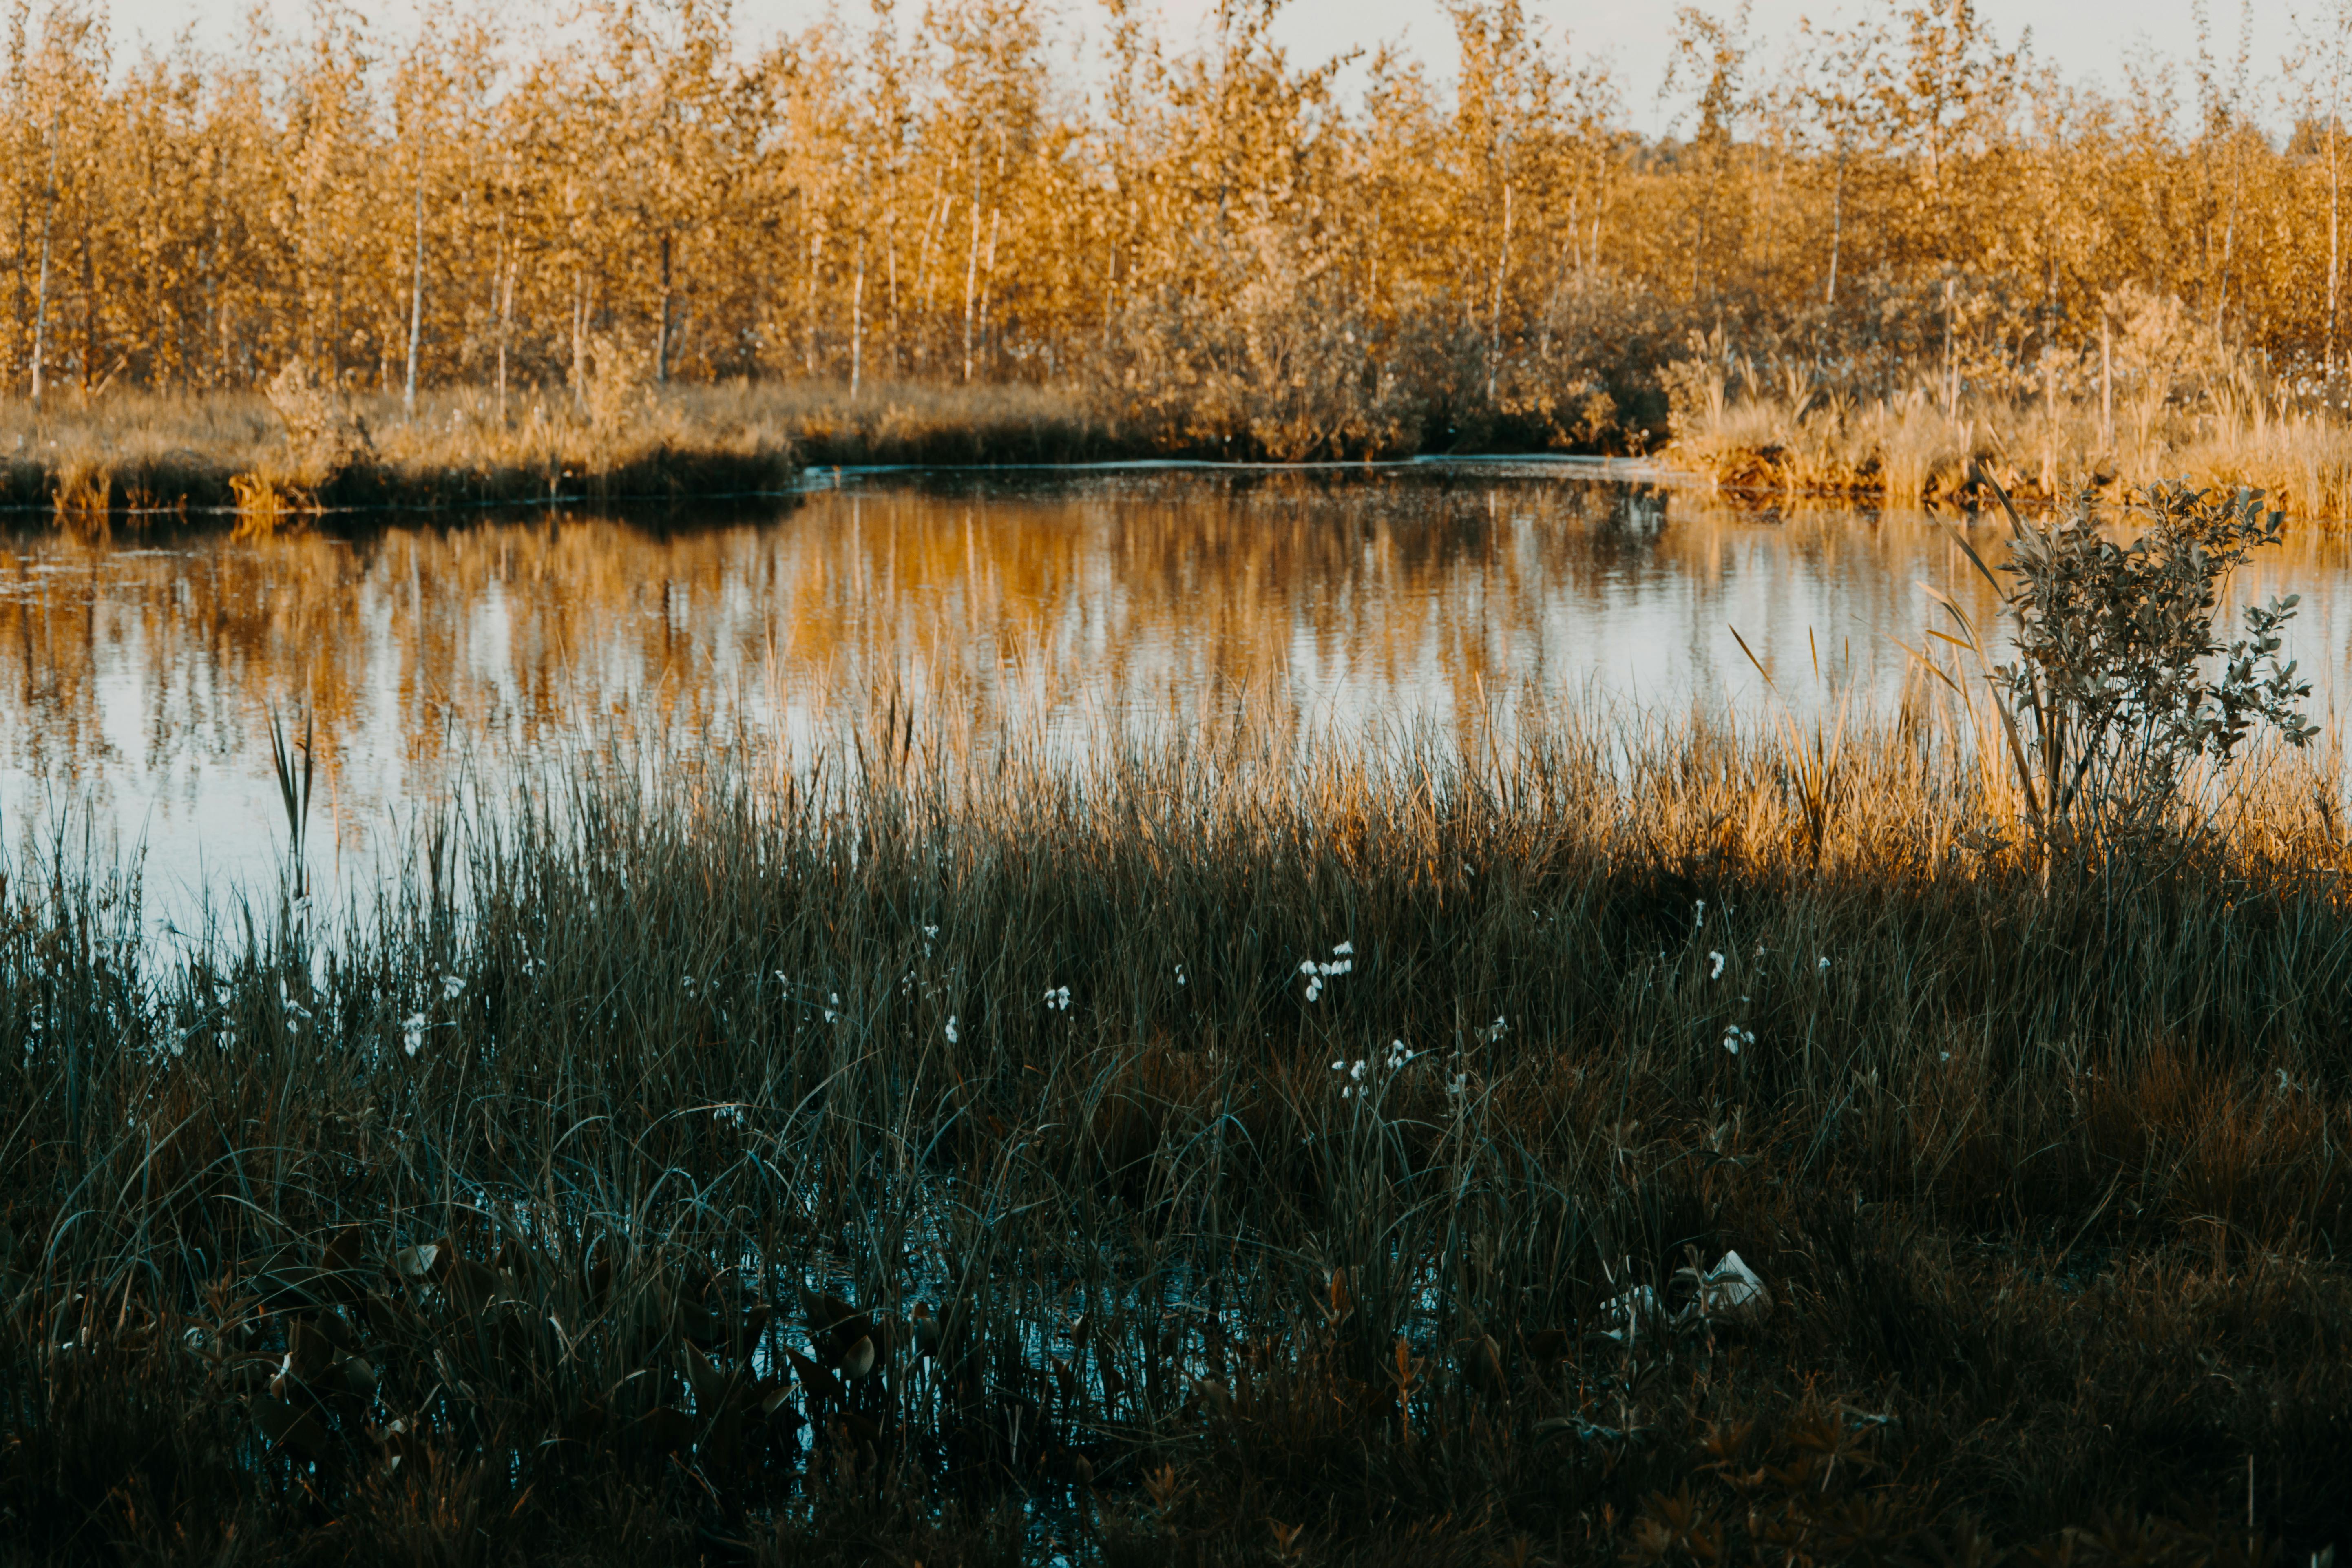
(1907, 451)
(128, 453)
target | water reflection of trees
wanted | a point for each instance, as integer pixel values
(1150, 594)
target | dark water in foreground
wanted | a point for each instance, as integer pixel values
(137, 675)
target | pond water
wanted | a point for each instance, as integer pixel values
(138, 675)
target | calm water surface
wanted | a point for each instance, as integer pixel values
(137, 675)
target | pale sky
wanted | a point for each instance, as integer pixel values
(2085, 39)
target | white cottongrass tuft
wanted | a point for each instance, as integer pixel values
(1715, 973)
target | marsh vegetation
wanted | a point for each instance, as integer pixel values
(1238, 1147)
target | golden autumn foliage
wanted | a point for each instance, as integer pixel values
(1212, 247)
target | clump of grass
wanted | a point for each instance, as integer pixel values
(1222, 1151)
(1914, 448)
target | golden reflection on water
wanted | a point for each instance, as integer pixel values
(140, 673)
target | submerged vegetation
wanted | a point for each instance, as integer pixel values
(1607, 1142)
(1869, 256)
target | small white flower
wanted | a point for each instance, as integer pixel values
(930, 930)
(1715, 973)
(1306, 966)
(451, 984)
(951, 1029)
(1314, 988)
(1734, 1037)
(1179, 975)
(1356, 1071)
(412, 1033)
(1823, 965)
(834, 1011)
(1397, 1055)
(1343, 950)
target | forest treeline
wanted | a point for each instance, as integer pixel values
(1212, 241)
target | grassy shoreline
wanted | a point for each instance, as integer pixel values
(1075, 1089)
(131, 455)
(1916, 449)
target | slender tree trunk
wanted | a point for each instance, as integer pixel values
(1837, 223)
(817, 252)
(88, 313)
(505, 313)
(579, 339)
(41, 294)
(1951, 359)
(2106, 383)
(988, 276)
(1502, 266)
(2334, 247)
(661, 328)
(857, 323)
(415, 304)
(971, 269)
(2049, 422)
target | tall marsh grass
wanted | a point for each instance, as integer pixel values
(1224, 1150)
